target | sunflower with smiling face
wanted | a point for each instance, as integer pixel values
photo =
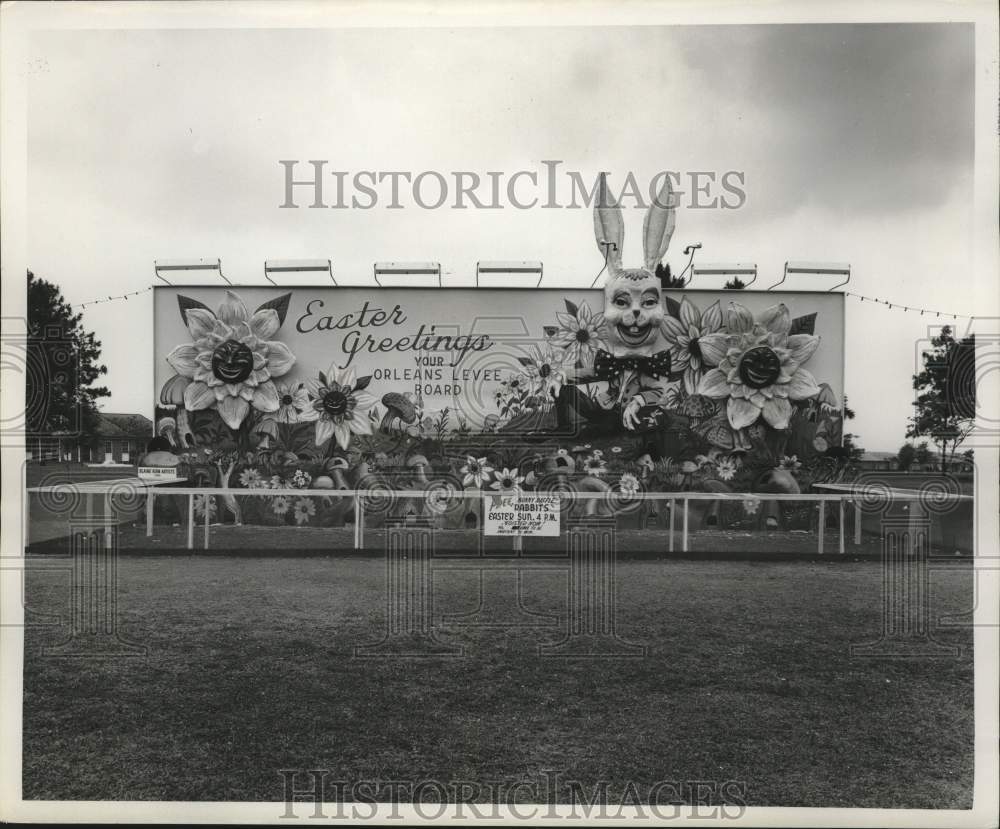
(761, 372)
(231, 360)
(341, 405)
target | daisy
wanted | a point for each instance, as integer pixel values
(231, 360)
(280, 504)
(293, 403)
(580, 334)
(750, 506)
(304, 508)
(726, 469)
(251, 479)
(546, 368)
(475, 471)
(629, 484)
(341, 405)
(593, 464)
(695, 341)
(507, 480)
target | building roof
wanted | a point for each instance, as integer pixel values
(878, 456)
(117, 425)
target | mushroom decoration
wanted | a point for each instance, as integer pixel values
(397, 407)
(166, 427)
(172, 397)
(646, 466)
(336, 467)
(418, 463)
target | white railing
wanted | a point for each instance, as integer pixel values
(359, 496)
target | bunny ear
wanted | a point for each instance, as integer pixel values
(609, 227)
(658, 226)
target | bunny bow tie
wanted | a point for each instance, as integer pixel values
(607, 365)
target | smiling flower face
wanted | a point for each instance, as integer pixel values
(695, 341)
(761, 371)
(231, 360)
(341, 405)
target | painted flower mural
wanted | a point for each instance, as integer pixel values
(341, 405)
(508, 481)
(475, 472)
(738, 399)
(580, 333)
(231, 361)
(696, 340)
(294, 405)
(546, 370)
(761, 372)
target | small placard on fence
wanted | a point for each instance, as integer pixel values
(522, 514)
(158, 473)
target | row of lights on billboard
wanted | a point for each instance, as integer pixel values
(520, 274)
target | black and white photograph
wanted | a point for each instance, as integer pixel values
(539, 413)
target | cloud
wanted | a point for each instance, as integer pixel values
(856, 142)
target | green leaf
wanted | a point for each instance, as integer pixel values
(803, 325)
(362, 382)
(571, 307)
(279, 304)
(186, 304)
(673, 306)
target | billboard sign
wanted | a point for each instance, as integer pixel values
(346, 372)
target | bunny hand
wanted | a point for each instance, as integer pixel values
(630, 417)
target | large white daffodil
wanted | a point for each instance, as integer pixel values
(761, 371)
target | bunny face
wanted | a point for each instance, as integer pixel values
(632, 313)
(633, 305)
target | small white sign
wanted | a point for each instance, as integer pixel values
(158, 473)
(522, 514)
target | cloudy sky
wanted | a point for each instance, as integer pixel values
(856, 143)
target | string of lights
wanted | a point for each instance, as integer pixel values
(931, 312)
(114, 298)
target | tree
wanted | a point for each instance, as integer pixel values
(667, 280)
(735, 284)
(922, 454)
(854, 452)
(905, 457)
(63, 365)
(944, 388)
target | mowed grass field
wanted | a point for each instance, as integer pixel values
(250, 668)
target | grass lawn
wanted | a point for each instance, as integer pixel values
(250, 669)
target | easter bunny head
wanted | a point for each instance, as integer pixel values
(633, 305)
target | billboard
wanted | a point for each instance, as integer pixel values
(586, 377)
